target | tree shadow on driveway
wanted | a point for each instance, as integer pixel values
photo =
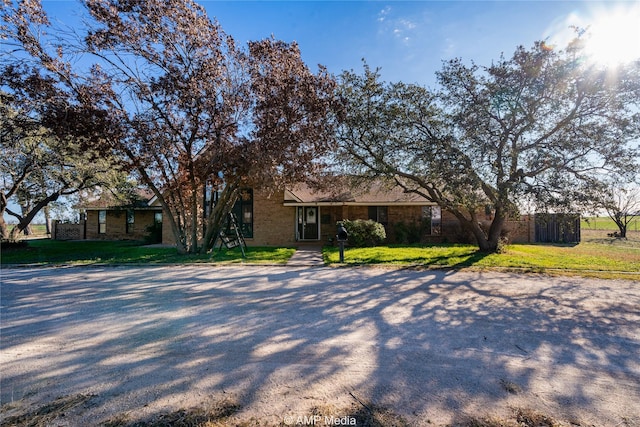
(434, 347)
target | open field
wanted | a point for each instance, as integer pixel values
(606, 223)
(274, 346)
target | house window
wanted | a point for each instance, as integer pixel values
(102, 222)
(379, 214)
(157, 218)
(130, 220)
(432, 219)
(243, 210)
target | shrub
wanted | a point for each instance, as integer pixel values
(364, 232)
(401, 232)
(410, 233)
(154, 234)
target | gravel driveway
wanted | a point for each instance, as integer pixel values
(281, 343)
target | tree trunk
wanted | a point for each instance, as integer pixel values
(487, 241)
(25, 221)
(174, 223)
(622, 221)
(4, 230)
(218, 215)
(623, 230)
(47, 220)
(495, 230)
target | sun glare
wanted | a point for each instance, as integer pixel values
(611, 34)
(614, 36)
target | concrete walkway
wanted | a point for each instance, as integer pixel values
(307, 256)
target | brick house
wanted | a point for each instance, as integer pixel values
(109, 219)
(315, 214)
(302, 215)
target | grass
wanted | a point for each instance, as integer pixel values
(597, 257)
(46, 251)
(606, 223)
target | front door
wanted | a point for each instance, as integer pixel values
(308, 223)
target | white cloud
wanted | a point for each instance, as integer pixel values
(382, 15)
(407, 24)
(402, 29)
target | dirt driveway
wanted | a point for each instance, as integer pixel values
(281, 344)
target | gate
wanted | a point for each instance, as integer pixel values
(557, 228)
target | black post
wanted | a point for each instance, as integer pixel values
(342, 237)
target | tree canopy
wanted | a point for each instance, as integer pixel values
(543, 125)
(38, 165)
(184, 107)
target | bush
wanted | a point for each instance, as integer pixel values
(410, 233)
(364, 233)
(154, 234)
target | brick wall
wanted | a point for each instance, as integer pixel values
(63, 231)
(521, 230)
(167, 234)
(116, 225)
(273, 223)
(329, 216)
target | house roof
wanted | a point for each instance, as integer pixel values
(139, 200)
(342, 193)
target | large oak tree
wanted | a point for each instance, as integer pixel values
(39, 165)
(186, 107)
(543, 125)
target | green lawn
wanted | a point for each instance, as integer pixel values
(46, 251)
(619, 259)
(598, 256)
(606, 223)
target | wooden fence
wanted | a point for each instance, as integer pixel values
(557, 228)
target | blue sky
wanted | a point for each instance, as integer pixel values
(407, 39)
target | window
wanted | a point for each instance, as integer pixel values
(102, 222)
(379, 214)
(157, 218)
(130, 220)
(432, 219)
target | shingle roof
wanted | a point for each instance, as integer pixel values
(107, 200)
(342, 193)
